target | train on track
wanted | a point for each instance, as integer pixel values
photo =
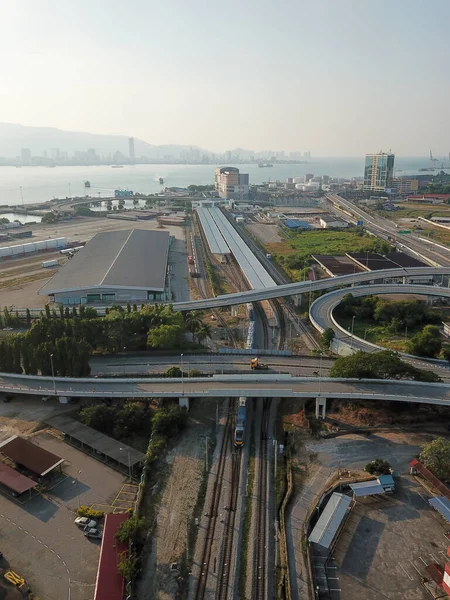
(239, 431)
(250, 343)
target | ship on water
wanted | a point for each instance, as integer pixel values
(161, 181)
(264, 165)
(87, 184)
(116, 166)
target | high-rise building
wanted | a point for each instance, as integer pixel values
(131, 148)
(231, 184)
(379, 172)
(25, 156)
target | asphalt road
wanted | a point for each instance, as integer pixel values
(256, 386)
(384, 228)
(292, 289)
(321, 315)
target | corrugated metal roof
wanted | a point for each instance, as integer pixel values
(255, 273)
(435, 482)
(442, 505)
(131, 258)
(15, 481)
(386, 480)
(216, 243)
(98, 441)
(367, 488)
(32, 457)
(330, 520)
(110, 585)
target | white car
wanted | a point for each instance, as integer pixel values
(85, 522)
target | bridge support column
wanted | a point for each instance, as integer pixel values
(297, 299)
(321, 403)
(64, 399)
(183, 402)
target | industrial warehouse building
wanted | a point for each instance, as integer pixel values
(114, 266)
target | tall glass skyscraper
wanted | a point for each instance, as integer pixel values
(379, 171)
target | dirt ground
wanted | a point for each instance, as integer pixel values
(265, 232)
(185, 463)
(25, 414)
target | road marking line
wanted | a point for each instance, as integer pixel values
(12, 523)
(25, 531)
(58, 556)
(52, 551)
(39, 541)
(406, 573)
(420, 558)
(46, 545)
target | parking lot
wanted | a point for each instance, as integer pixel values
(386, 544)
(38, 536)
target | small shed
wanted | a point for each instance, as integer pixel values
(295, 224)
(331, 520)
(366, 488)
(387, 481)
(442, 505)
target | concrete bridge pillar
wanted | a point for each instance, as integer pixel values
(321, 403)
(183, 402)
(297, 299)
(64, 399)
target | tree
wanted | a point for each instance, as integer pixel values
(28, 317)
(99, 416)
(427, 342)
(168, 421)
(327, 337)
(436, 457)
(204, 333)
(128, 567)
(379, 466)
(49, 217)
(385, 364)
(193, 322)
(131, 529)
(165, 337)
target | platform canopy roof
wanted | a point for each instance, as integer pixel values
(367, 488)
(442, 505)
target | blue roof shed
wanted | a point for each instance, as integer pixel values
(387, 481)
(296, 224)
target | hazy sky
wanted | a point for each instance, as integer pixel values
(336, 77)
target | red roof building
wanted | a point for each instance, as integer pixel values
(110, 585)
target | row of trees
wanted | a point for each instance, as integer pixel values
(385, 364)
(67, 340)
(395, 316)
(132, 418)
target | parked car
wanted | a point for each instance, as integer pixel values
(93, 532)
(85, 522)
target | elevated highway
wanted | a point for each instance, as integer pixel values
(256, 386)
(321, 311)
(300, 287)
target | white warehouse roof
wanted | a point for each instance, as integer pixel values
(124, 259)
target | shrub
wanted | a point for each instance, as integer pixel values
(85, 511)
(379, 466)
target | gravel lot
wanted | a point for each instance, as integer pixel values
(265, 232)
(186, 464)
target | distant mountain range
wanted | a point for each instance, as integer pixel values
(14, 137)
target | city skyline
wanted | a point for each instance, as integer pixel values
(338, 79)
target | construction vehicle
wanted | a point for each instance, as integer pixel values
(16, 580)
(255, 365)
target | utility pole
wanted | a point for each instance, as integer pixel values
(206, 454)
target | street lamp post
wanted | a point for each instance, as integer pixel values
(320, 372)
(53, 374)
(129, 462)
(353, 326)
(182, 375)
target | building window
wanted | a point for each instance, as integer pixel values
(106, 298)
(93, 298)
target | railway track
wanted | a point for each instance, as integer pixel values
(213, 511)
(227, 548)
(261, 545)
(259, 310)
(278, 309)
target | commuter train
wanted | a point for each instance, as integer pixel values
(239, 432)
(250, 343)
